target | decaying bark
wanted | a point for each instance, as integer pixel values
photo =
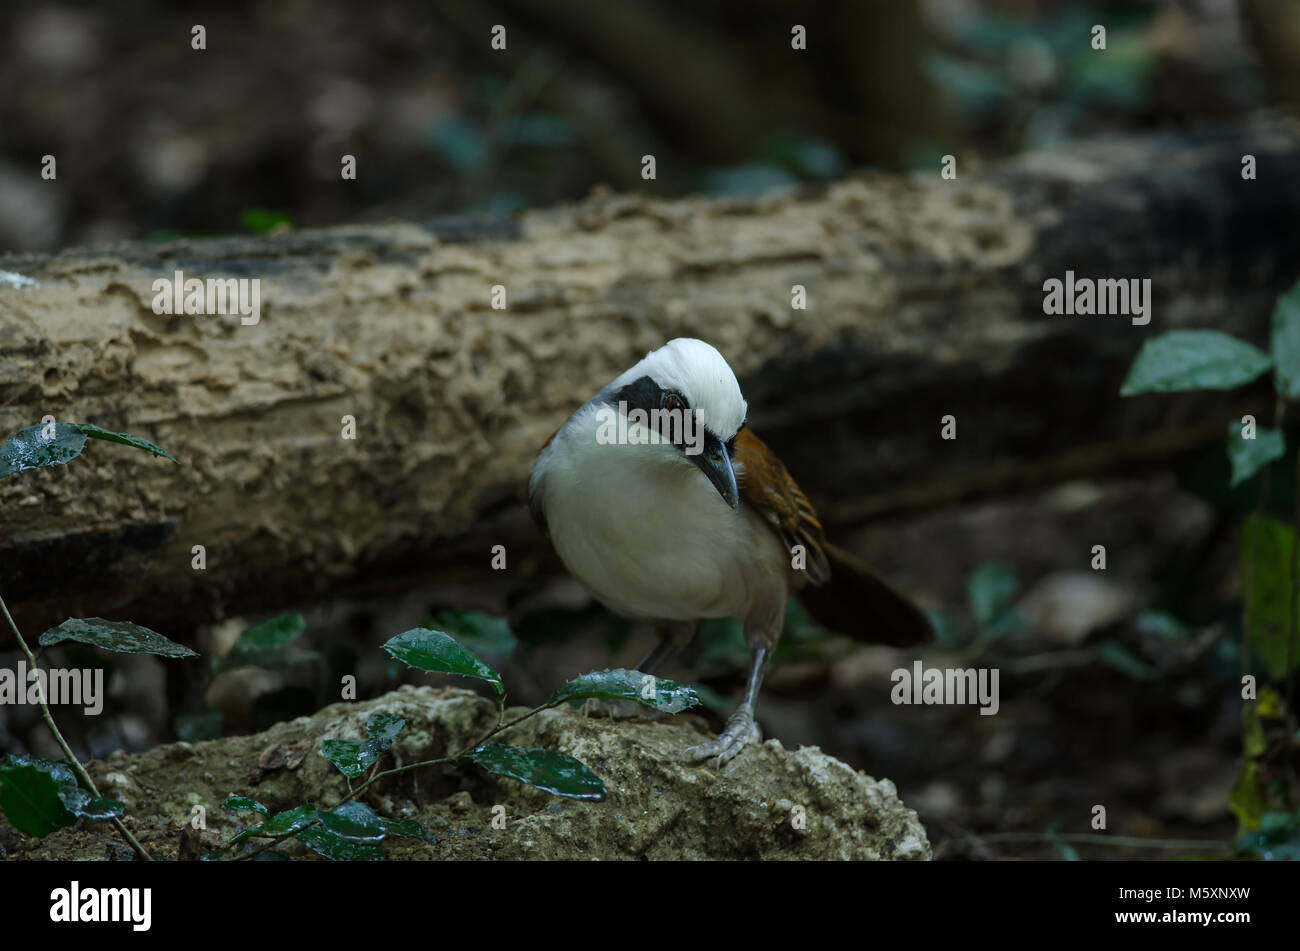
(924, 299)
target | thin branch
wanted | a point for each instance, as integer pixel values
(63, 744)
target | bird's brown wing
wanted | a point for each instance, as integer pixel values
(768, 487)
(857, 601)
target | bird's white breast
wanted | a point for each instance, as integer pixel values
(647, 534)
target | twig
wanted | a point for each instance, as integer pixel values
(63, 744)
(501, 727)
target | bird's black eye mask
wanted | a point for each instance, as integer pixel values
(667, 413)
(647, 395)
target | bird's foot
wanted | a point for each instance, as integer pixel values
(740, 730)
(617, 709)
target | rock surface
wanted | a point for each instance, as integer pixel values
(657, 807)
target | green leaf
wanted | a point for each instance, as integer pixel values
(354, 757)
(409, 829)
(476, 631)
(41, 795)
(30, 449)
(1194, 360)
(244, 804)
(438, 653)
(94, 432)
(337, 848)
(30, 790)
(291, 820)
(121, 636)
(1286, 342)
(1248, 456)
(268, 645)
(96, 809)
(383, 727)
(990, 589)
(271, 634)
(1266, 547)
(556, 773)
(629, 685)
(355, 820)
(350, 756)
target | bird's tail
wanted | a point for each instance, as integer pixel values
(860, 603)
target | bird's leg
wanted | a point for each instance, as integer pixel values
(741, 728)
(658, 654)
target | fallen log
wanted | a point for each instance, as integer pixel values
(924, 298)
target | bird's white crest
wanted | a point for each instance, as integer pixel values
(702, 375)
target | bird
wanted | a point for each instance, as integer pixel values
(667, 508)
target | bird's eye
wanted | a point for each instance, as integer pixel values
(673, 402)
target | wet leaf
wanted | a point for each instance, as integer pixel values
(438, 653)
(624, 684)
(30, 449)
(26, 786)
(354, 757)
(95, 432)
(291, 820)
(556, 773)
(30, 794)
(357, 821)
(121, 636)
(244, 804)
(354, 820)
(338, 848)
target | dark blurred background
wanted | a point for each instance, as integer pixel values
(1113, 691)
(155, 139)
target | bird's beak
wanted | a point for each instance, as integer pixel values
(715, 462)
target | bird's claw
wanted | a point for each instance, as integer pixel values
(740, 730)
